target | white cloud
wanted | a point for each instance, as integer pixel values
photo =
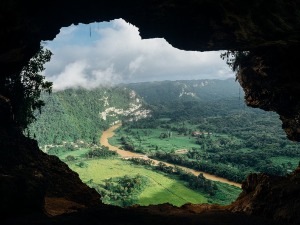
(115, 53)
(67, 31)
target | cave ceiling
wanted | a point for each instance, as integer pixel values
(270, 30)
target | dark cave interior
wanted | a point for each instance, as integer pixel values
(269, 76)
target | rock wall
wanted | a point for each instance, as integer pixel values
(270, 30)
(28, 176)
(273, 197)
(270, 79)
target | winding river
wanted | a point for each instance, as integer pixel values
(127, 154)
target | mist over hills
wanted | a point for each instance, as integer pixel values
(193, 98)
(185, 90)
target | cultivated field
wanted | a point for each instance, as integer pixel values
(160, 189)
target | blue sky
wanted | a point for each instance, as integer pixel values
(113, 52)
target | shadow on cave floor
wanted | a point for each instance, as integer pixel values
(162, 214)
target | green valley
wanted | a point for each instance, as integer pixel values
(202, 125)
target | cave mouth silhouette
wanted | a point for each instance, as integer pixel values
(88, 37)
(269, 31)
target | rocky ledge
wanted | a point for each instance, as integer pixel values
(270, 196)
(34, 182)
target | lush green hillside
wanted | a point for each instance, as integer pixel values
(76, 114)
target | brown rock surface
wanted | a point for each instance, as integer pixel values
(270, 196)
(270, 79)
(27, 176)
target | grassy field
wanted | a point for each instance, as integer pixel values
(149, 142)
(77, 154)
(162, 189)
(224, 193)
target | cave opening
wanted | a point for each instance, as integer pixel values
(270, 79)
(110, 63)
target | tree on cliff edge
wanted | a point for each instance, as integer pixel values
(24, 89)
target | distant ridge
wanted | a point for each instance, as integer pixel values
(204, 90)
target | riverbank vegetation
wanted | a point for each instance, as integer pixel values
(196, 126)
(228, 146)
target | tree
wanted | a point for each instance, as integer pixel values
(234, 59)
(70, 158)
(24, 89)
